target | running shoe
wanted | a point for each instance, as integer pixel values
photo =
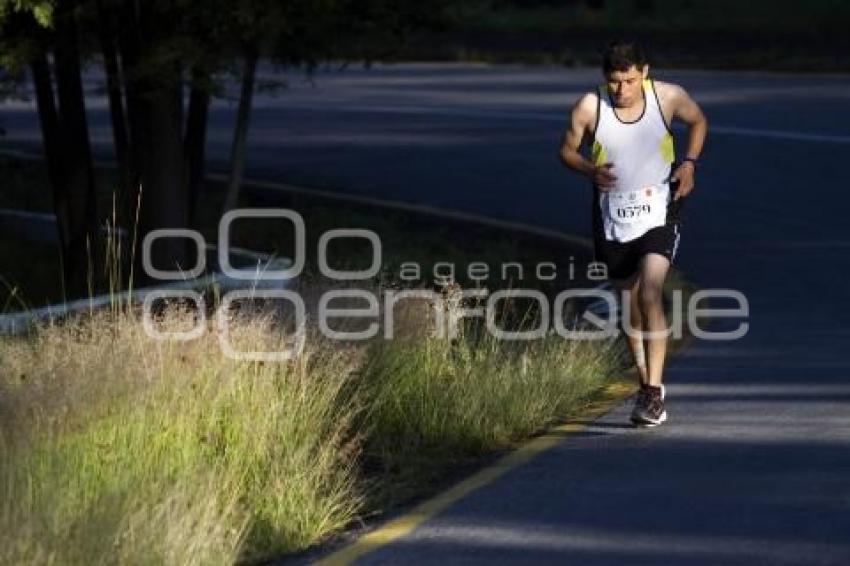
(649, 406)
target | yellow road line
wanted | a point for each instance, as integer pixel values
(405, 524)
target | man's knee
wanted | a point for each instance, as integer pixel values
(629, 296)
(649, 297)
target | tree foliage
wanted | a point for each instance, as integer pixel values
(153, 52)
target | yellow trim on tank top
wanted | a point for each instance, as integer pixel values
(597, 153)
(667, 149)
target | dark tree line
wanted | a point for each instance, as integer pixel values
(153, 52)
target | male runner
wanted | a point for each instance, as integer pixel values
(635, 210)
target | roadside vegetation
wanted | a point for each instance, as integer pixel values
(118, 448)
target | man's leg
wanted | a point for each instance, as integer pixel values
(653, 272)
(634, 339)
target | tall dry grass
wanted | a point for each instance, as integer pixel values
(120, 448)
(116, 448)
(437, 404)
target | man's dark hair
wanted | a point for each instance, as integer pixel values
(621, 55)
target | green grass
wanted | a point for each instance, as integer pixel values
(119, 447)
(437, 405)
(116, 448)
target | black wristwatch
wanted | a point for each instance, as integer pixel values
(692, 160)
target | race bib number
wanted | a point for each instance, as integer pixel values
(630, 207)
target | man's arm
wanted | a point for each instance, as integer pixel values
(682, 107)
(582, 116)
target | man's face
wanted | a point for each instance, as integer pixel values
(625, 86)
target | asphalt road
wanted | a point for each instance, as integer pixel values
(754, 464)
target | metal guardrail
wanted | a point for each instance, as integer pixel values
(19, 322)
(41, 228)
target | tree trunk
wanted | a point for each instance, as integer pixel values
(52, 140)
(159, 101)
(195, 140)
(129, 45)
(154, 97)
(83, 260)
(240, 134)
(118, 117)
(164, 196)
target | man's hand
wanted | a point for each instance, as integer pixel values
(602, 176)
(684, 173)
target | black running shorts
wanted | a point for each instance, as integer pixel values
(623, 258)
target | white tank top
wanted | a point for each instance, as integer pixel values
(642, 153)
